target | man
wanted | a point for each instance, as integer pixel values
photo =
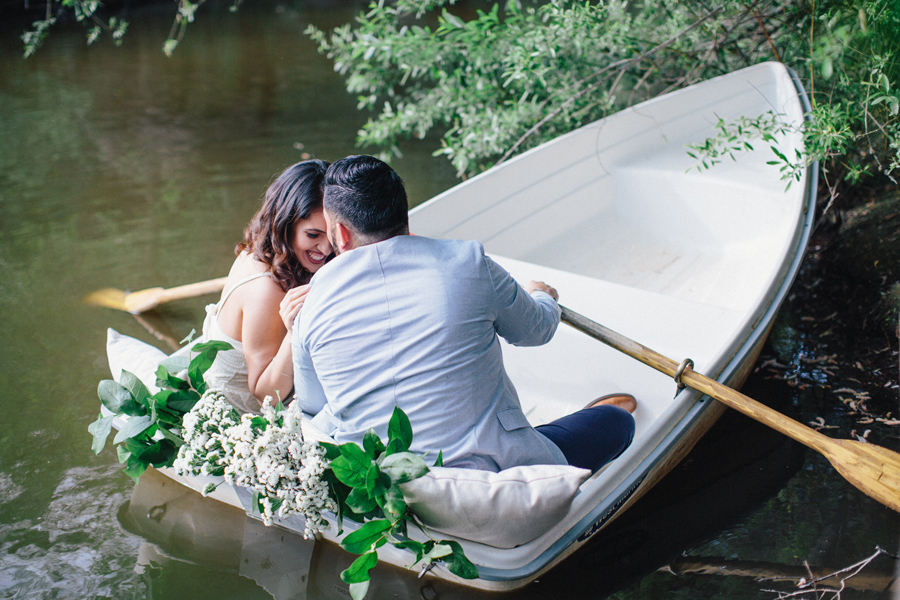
(401, 320)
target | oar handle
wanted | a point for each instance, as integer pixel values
(619, 342)
(192, 290)
(710, 387)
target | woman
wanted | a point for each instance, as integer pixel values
(284, 244)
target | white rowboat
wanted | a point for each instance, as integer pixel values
(694, 264)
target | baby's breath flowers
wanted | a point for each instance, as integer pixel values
(203, 430)
(268, 455)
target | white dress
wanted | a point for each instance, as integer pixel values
(229, 372)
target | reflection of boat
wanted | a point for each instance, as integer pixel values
(187, 534)
(693, 264)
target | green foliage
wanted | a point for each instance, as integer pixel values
(365, 483)
(151, 435)
(87, 12)
(499, 81)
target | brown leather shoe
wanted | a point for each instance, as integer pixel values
(626, 401)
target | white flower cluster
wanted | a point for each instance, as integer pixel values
(268, 455)
(203, 430)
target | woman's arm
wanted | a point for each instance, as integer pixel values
(267, 342)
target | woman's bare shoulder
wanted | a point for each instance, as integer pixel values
(254, 299)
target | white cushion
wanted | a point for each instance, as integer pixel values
(133, 355)
(503, 510)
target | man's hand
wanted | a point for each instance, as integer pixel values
(540, 286)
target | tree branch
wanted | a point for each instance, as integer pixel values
(622, 66)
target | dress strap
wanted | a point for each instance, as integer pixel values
(242, 282)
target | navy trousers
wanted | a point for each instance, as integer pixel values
(593, 436)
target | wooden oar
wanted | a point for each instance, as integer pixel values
(872, 469)
(143, 300)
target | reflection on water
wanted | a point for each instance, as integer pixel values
(74, 548)
(121, 168)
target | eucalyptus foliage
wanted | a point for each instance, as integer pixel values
(500, 80)
(152, 434)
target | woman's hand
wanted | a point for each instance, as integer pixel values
(291, 305)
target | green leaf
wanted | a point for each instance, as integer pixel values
(172, 437)
(201, 363)
(166, 379)
(182, 400)
(156, 453)
(352, 465)
(367, 537)
(439, 461)
(418, 548)
(359, 590)
(175, 364)
(122, 454)
(392, 502)
(118, 399)
(100, 430)
(332, 451)
(133, 427)
(359, 570)
(400, 430)
(376, 481)
(403, 466)
(439, 551)
(458, 563)
(135, 467)
(372, 444)
(360, 502)
(347, 473)
(138, 390)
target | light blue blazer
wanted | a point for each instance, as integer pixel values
(414, 322)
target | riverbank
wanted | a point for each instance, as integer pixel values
(837, 336)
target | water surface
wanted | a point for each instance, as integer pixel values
(121, 168)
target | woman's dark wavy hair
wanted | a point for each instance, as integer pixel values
(269, 235)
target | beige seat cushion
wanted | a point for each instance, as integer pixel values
(503, 510)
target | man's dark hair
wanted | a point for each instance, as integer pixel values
(367, 195)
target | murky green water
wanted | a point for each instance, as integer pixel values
(121, 168)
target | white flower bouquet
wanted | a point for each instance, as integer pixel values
(290, 475)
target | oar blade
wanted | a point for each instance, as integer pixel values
(144, 300)
(872, 469)
(108, 298)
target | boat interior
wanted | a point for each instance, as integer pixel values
(617, 217)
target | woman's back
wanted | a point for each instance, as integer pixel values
(250, 300)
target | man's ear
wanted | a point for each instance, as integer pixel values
(344, 237)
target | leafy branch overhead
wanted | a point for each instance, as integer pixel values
(501, 80)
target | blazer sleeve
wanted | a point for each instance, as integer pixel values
(522, 319)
